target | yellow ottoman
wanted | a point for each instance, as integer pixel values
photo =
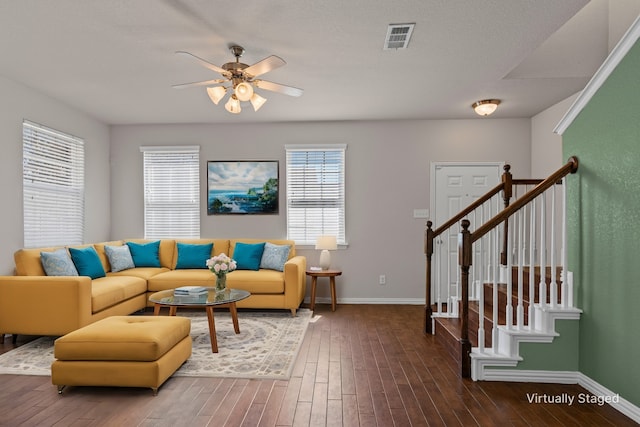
(123, 351)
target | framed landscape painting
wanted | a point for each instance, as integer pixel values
(242, 187)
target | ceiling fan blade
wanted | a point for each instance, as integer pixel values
(267, 64)
(277, 87)
(203, 83)
(204, 63)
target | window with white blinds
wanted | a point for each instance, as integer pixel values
(171, 192)
(315, 192)
(52, 187)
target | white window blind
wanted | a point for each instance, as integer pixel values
(171, 192)
(52, 186)
(315, 192)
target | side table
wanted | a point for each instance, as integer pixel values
(331, 274)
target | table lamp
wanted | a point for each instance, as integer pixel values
(326, 244)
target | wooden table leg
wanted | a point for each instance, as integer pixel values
(314, 281)
(212, 329)
(332, 280)
(173, 309)
(156, 309)
(234, 316)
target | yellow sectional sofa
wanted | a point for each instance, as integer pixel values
(33, 303)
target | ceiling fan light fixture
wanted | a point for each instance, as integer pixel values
(216, 93)
(244, 91)
(485, 107)
(233, 105)
(257, 101)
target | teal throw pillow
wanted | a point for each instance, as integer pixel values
(274, 256)
(248, 255)
(58, 263)
(145, 254)
(193, 255)
(87, 262)
(119, 257)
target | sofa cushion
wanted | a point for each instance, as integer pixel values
(58, 263)
(111, 290)
(248, 255)
(274, 256)
(175, 278)
(119, 257)
(145, 254)
(87, 262)
(257, 282)
(103, 255)
(145, 273)
(193, 255)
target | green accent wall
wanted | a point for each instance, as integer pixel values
(559, 355)
(604, 229)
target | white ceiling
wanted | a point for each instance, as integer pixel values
(116, 59)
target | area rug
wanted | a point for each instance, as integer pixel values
(266, 347)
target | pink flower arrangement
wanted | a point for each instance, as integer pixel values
(221, 265)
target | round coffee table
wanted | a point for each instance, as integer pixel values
(225, 299)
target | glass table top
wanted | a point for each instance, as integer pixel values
(212, 297)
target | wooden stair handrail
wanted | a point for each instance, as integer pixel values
(570, 167)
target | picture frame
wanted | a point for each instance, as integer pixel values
(242, 187)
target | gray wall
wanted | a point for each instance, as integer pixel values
(387, 177)
(17, 103)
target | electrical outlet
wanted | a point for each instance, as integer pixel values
(383, 279)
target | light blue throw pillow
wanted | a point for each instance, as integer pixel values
(58, 263)
(145, 254)
(248, 255)
(193, 255)
(119, 257)
(87, 262)
(274, 256)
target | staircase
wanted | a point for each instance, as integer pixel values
(497, 299)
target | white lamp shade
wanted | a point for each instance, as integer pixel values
(216, 93)
(257, 101)
(233, 105)
(327, 242)
(244, 91)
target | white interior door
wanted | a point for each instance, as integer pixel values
(453, 187)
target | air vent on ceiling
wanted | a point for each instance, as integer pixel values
(398, 36)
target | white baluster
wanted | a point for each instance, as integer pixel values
(553, 290)
(563, 275)
(520, 307)
(496, 272)
(543, 248)
(509, 307)
(532, 275)
(482, 262)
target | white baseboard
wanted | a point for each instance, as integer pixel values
(566, 377)
(381, 301)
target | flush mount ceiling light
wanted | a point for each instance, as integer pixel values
(242, 80)
(486, 106)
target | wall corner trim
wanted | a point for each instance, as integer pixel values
(617, 54)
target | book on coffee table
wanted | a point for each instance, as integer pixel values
(190, 290)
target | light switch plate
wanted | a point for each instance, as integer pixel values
(421, 213)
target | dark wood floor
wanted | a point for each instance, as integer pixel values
(363, 365)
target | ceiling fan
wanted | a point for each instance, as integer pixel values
(241, 79)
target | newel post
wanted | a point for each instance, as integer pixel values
(464, 259)
(507, 193)
(428, 250)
